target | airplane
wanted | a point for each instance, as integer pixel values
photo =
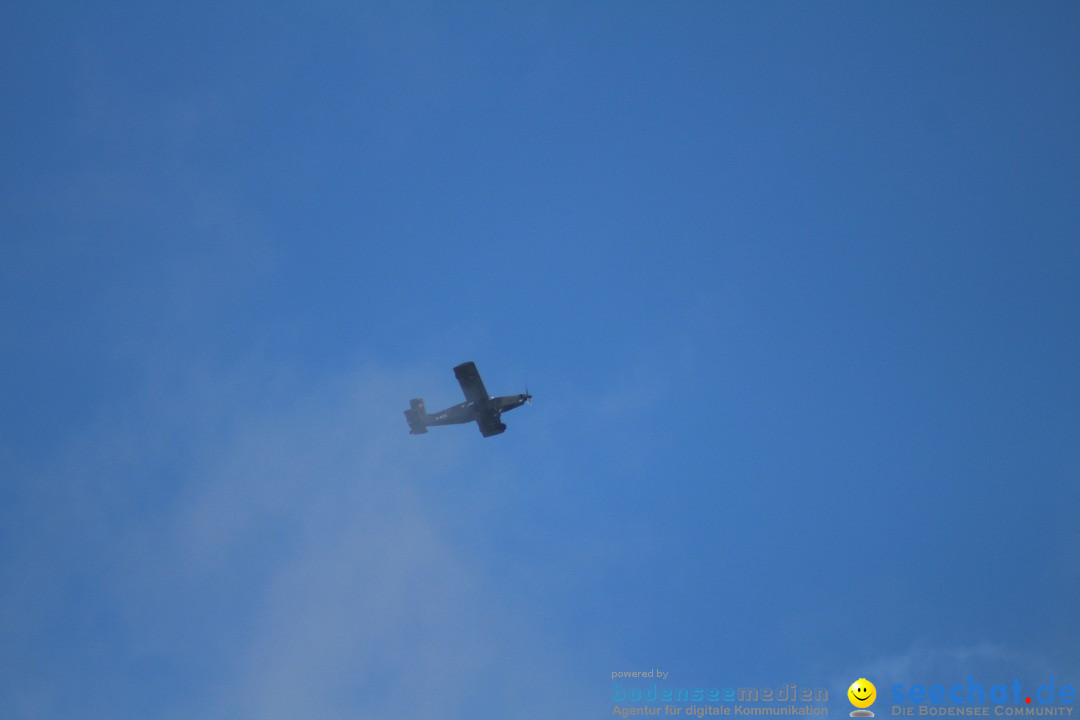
(478, 407)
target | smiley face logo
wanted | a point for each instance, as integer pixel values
(862, 693)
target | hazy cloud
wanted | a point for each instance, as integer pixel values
(297, 566)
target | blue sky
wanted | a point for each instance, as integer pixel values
(794, 286)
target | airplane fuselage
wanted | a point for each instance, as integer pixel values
(471, 410)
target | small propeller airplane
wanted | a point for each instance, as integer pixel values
(478, 407)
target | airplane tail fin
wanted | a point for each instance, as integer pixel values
(415, 416)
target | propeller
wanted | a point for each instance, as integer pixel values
(528, 397)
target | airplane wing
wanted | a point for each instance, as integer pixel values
(470, 382)
(490, 424)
